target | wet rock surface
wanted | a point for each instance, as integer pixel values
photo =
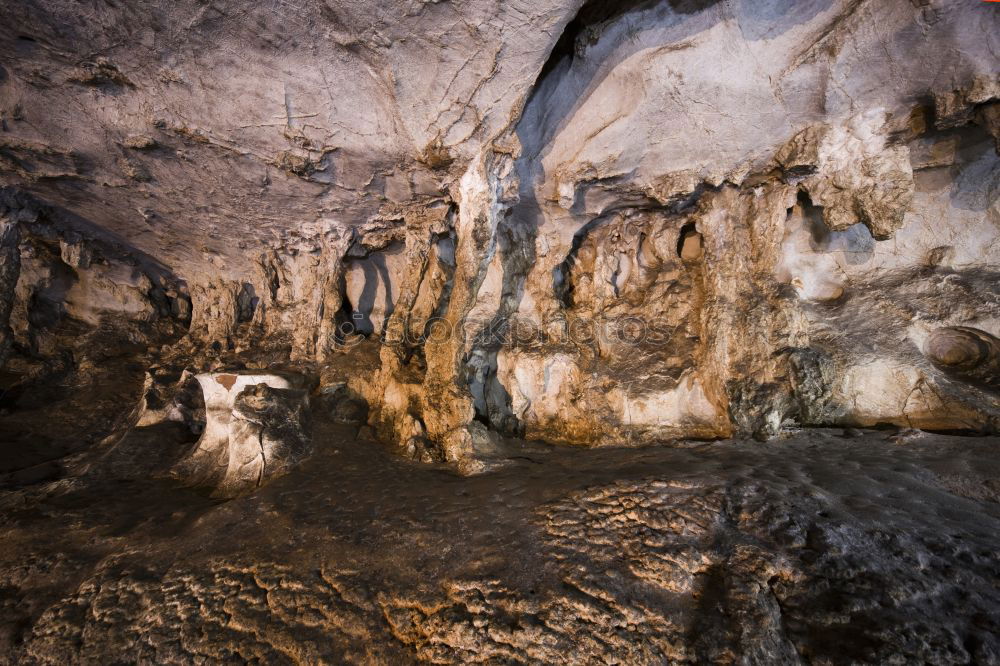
(823, 547)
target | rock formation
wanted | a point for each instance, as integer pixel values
(255, 430)
(477, 223)
(580, 234)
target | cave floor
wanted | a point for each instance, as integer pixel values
(823, 547)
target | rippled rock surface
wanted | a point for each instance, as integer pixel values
(820, 548)
(635, 332)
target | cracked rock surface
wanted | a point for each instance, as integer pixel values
(256, 428)
(454, 331)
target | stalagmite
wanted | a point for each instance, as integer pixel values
(255, 430)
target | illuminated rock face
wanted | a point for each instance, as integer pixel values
(255, 430)
(325, 259)
(582, 233)
(968, 353)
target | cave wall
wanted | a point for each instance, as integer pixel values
(74, 294)
(586, 222)
(826, 245)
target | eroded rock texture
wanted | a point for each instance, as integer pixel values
(815, 550)
(464, 225)
(581, 234)
(256, 428)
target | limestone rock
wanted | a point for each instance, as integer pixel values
(495, 228)
(344, 405)
(854, 175)
(268, 435)
(580, 233)
(372, 288)
(967, 352)
(167, 396)
(256, 429)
